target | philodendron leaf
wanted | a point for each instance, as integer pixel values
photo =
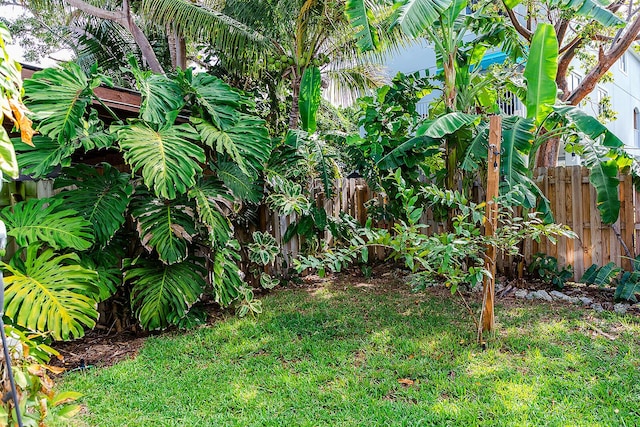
(540, 73)
(101, 197)
(58, 98)
(310, 98)
(40, 160)
(163, 294)
(47, 220)
(51, 293)
(214, 205)
(167, 226)
(168, 157)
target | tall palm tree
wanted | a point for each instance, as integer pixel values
(280, 39)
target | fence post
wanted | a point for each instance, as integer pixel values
(493, 181)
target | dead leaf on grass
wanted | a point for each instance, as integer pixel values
(406, 382)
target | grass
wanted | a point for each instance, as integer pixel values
(333, 356)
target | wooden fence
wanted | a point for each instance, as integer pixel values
(573, 201)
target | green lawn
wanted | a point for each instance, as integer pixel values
(333, 356)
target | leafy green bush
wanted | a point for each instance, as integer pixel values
(453, 258)
(545, 267)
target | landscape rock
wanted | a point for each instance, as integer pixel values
(499, 287)
(597, 307)
(543, 295)
(621, 308)
(564, 297)
(521, 293)
(585, 301)
(559, 295)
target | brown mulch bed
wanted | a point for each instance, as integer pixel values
(98, 348)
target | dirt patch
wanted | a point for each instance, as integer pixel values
(98, 349)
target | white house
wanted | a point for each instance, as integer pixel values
(623, 91)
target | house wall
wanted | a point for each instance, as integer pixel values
(625, 97)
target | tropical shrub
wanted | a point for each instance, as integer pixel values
(545, 268)
(627, 283)
(196, 154)
(453, 257)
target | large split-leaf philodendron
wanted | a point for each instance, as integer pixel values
(195, 154)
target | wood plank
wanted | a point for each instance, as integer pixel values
(595, 230)
(577, 222)
(627, 215)
(561, 215)
(586, 220)
(493, 181)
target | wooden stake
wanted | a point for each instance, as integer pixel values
(493, 181)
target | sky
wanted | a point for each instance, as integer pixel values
(16, 51)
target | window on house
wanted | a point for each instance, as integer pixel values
(622, 63)
(574, 81)
(602, 101)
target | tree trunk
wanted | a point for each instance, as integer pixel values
(124, 18)
(294, 113)
(547, 156)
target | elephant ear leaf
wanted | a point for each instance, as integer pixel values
(51, 293)
(45, 220)
(166, 226)
(540, 73)
(163, 294)
(309, 101)
(101, 198)
(168, 158)
(58, 98)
